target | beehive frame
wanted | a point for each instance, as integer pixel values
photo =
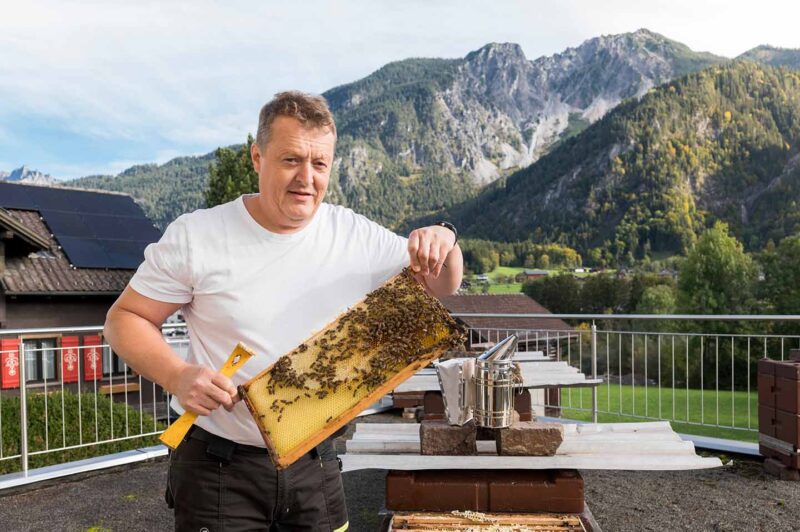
(366, 352)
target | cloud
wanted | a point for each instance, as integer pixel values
(124, 81)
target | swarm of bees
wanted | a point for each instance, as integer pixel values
(374, 341)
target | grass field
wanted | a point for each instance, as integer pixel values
(503, 270)
(691, 408)
(512, 288)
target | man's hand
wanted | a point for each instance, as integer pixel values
(202, 390)
(428, 248)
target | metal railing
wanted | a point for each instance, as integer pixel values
(697, 371)
(685, 369)
(73, 396)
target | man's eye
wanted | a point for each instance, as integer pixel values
(290, 160)
(321, 164)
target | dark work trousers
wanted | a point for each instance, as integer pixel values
(247, 492)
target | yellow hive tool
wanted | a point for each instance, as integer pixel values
(173, 436)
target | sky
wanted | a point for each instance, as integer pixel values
(94, 87)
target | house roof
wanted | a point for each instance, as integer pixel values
(19, 231)
(95, 230)
(503, 304)
(50, 272)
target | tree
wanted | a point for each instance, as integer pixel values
(231, 175)
(658, 299)
(605, 293)
(781, 287)
(718, 277)
(544, 261)
(560, 294)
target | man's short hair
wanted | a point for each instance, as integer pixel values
(311, 110)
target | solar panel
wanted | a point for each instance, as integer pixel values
(95, 230)
(85, 252)
(63, 223)
(15, 197)
(124, 254)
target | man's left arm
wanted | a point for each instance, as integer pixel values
(436, 259)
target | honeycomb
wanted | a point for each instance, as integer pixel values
(367, 351)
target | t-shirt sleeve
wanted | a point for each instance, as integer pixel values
(389, 253)
(165, 275)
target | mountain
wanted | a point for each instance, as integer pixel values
(719, 144)
(164, 191)
(23, 174)
(422, 134)
(777, 57)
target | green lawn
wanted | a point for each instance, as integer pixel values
(512, 288)
(503, 270)
(729, 409)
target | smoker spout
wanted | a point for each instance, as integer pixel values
(502, 351)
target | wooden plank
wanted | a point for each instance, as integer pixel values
(621, 461)
(623, 446)
(427, 521)
(566, 448)
(119, 388)
(393, 438)
(419, 383)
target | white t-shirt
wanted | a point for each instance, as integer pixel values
(240, 282)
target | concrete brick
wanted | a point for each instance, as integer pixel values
(438, 437)
(529, 438)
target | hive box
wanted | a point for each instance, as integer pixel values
(552, 490)
(779, 410)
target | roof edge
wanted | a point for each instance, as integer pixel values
(7, 220)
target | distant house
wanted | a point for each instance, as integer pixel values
(529, 275)
(534, 334)
(482, 278)
(65, 256)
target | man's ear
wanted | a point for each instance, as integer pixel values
(255, 156)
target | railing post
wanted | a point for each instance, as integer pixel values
(594, 372)
(23, 410)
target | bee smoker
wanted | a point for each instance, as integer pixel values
(494, 385)
(481, 388)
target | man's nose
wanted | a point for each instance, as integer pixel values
(305, 173)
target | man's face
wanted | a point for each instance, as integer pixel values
(293, 172)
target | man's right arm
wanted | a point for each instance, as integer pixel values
(133, 330)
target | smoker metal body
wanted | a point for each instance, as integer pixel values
(481, 388)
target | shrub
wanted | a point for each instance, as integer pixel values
(67, 428)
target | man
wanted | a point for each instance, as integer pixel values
(266, 269)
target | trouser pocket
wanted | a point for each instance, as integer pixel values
(333, 490)
(194, 486)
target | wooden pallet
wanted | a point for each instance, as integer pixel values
(294, 418)
(429, 521)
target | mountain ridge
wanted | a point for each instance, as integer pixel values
(420, 135)
(719, 144)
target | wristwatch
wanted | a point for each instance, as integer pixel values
(451, 227)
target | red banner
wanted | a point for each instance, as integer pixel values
(70, 358)
(92, 358)
(9, 358)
